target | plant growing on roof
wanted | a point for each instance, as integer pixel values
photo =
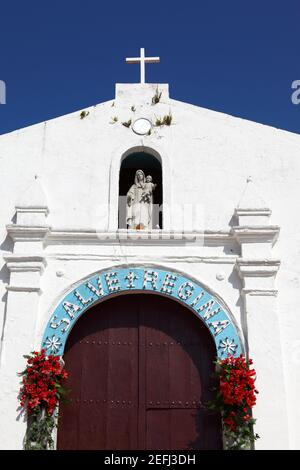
(84, 114)
(167, 119)
(157, 96)
(164, 121)
(127, 123)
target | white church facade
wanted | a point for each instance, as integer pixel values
(218, 238)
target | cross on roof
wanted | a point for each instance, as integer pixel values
(142, 59)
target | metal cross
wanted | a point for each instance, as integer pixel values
(142, 59)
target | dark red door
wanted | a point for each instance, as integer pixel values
(140, 370)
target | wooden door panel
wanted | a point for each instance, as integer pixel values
(121, 428)
(182, 429)
(178, 347)
(179, 366)
(91, 426)
(172, 429)
(140, 368)
(102, 357)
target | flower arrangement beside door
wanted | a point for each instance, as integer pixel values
(235, 398)
(41, 390)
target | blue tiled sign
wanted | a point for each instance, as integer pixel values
(142, 279)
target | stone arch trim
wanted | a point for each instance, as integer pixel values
(118, 156)
(111, 282)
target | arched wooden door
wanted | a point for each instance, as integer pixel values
(140, 370)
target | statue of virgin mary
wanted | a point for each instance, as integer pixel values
(138, 207)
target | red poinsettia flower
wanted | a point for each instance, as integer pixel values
(42, 382)
(236, 396)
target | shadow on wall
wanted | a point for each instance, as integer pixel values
(5, 247)
(4, 274)
(233, 221)
(237, 284)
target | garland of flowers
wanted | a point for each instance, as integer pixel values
(235, 399)
(42, 389)
(40, 393)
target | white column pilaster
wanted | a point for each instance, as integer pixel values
(257, 269)
(26, 265)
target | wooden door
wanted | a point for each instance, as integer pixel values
(140, 370)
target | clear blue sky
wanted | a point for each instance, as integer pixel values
(238, 57)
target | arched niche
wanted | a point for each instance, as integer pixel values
(151, 165)
(118, 154)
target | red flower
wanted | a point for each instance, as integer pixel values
(237, 392)
(39, 382)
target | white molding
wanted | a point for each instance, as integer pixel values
(257, 267)
(33, 209)
(230, 259)
(253, 212)
(23, 233)
(209, 237)
(260, 292)
(25, 263)
(256, 234)
(24, 289)
(23, 257)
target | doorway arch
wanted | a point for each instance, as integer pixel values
(140, 369)
(207, 306)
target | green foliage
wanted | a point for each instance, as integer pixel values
(164, 121)
(234, 399)
(241, 439)
(156, 97)
(41, 391)
(39, 431)
(159, 122)
(84, 114)
(127, 123)
(167, 120)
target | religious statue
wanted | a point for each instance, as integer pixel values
(140, 202)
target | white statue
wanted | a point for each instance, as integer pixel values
(140, 202)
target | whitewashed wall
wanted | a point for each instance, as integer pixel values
(207, 158)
